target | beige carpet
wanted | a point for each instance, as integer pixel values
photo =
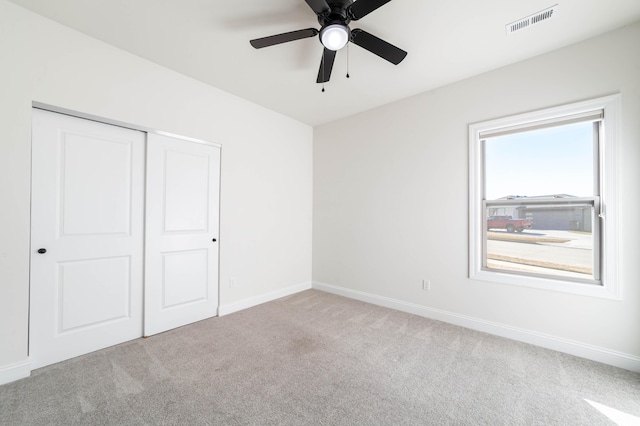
(319, 359)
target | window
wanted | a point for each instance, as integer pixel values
(543, 203)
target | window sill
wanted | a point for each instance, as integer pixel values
(561, 286)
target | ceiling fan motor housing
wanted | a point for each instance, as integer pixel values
(337, 15)
(335, 24)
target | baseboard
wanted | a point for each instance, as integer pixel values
(595, 353)
(263, 298)
(12, 372)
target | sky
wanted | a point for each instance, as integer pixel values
(555, 160)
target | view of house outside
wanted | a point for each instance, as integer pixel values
(541, 175)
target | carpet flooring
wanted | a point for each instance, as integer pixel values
(314, 358)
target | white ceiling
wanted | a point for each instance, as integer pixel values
(447, 41)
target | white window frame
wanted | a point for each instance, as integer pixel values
(609, 142)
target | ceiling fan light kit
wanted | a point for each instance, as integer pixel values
(334, 17)
(335, 36)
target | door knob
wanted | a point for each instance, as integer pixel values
(214, 240)
(42, 251)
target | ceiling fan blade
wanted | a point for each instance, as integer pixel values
(259, 43)
(362, 8)
(320, 7)
(377, 46)
(326, 65)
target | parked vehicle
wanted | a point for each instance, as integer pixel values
(508, 223)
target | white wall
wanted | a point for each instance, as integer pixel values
(391, 196)
(266, 194)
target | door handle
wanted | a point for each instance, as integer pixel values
(214, 240)
(42, 251)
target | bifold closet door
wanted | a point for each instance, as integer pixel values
(87, 227)
(181, 247)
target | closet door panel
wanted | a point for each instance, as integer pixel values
(181, 250)
(87, 219)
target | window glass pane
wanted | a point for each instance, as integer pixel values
(554, 240)
(546, 162)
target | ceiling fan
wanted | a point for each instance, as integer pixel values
(334, 17)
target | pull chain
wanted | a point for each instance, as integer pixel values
(323, 72)
(347, 60)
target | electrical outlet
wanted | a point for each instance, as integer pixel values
(426, 285)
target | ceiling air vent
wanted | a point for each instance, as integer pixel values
(530, 20)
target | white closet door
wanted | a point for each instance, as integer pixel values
(181, 249)
(86, 236)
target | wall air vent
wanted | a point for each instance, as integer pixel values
(530, 20)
